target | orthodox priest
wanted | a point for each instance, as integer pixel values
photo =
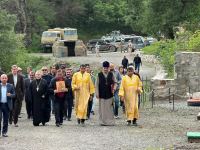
(39, 98)
(105, 88)
(131, 86)
(83, 88)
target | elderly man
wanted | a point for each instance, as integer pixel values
(84, 89)
(130, 87)
(7, 93)
(38, 95)
(18, 82)
(105, 87)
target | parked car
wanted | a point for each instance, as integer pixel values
(136, 41)
(104, 45)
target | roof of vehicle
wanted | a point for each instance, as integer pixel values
(51, 32)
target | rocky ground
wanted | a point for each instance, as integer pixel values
(159, 127)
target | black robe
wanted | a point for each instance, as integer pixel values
(40, 101)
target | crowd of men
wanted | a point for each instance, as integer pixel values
(59, 90)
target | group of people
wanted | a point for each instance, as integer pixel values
(58, 90)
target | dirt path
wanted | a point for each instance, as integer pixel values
(147, 70)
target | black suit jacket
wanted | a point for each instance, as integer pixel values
(10, 89)
(19, 89)
(27, 83)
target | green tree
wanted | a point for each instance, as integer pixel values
(9, 42)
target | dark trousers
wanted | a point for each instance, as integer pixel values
(59, 106)
(17, 104)
(90, 103)
(4, 111)
(137, 67)
(68, 107)
(29, 108)
(116, 103)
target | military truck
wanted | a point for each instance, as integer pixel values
(63, 42)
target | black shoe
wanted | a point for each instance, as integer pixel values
(128, 122)
(60, 124)
(43, 123)
(82, 122)
(92, 112)
(4, 135)
(135, 122)
(79, 121)
(64, 118)
(57, 125)
(69, 119)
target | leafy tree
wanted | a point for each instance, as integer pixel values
(9, 42)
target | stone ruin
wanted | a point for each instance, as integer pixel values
(186, 79)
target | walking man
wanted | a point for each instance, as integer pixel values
(105, 87)
(28, 101)
(18, 82)
(125, 62)
(69, 96)
(6, 95)
(130, 47)
(59, 87)
(118, 79)
(46, 76)
(130, 87)
(138, 62)
(90, 102)
(97, 46)
(83, 89)
(39, 98)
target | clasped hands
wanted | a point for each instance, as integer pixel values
(62, 90)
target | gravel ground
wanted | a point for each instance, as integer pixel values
(159, 128)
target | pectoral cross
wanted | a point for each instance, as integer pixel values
(37, 88)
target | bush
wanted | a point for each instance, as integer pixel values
(165, 50)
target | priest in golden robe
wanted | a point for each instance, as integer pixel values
(130, 87)
(83, 88)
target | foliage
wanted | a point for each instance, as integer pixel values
(194, 42)
(8, 40)
(165, 51)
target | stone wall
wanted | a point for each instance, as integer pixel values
(186, 79)
(187, 72)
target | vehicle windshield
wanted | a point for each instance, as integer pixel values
(50, 34)
(137, 40)
(70, 32)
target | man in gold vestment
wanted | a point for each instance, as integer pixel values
(83, 88)
(130, 87)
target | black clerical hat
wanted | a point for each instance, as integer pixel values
(106, 64)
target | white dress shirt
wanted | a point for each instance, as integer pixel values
(3, 94)
(15, 79)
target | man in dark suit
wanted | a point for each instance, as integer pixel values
(28, 101)
(7, 92)
(18, 82)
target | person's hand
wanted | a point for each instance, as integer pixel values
(77, 88)
(8, 94)
(122, 98)
(65, 90)
(138, 91)
(43, 96)
(56, 91)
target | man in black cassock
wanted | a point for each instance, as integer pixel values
(39, 92)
